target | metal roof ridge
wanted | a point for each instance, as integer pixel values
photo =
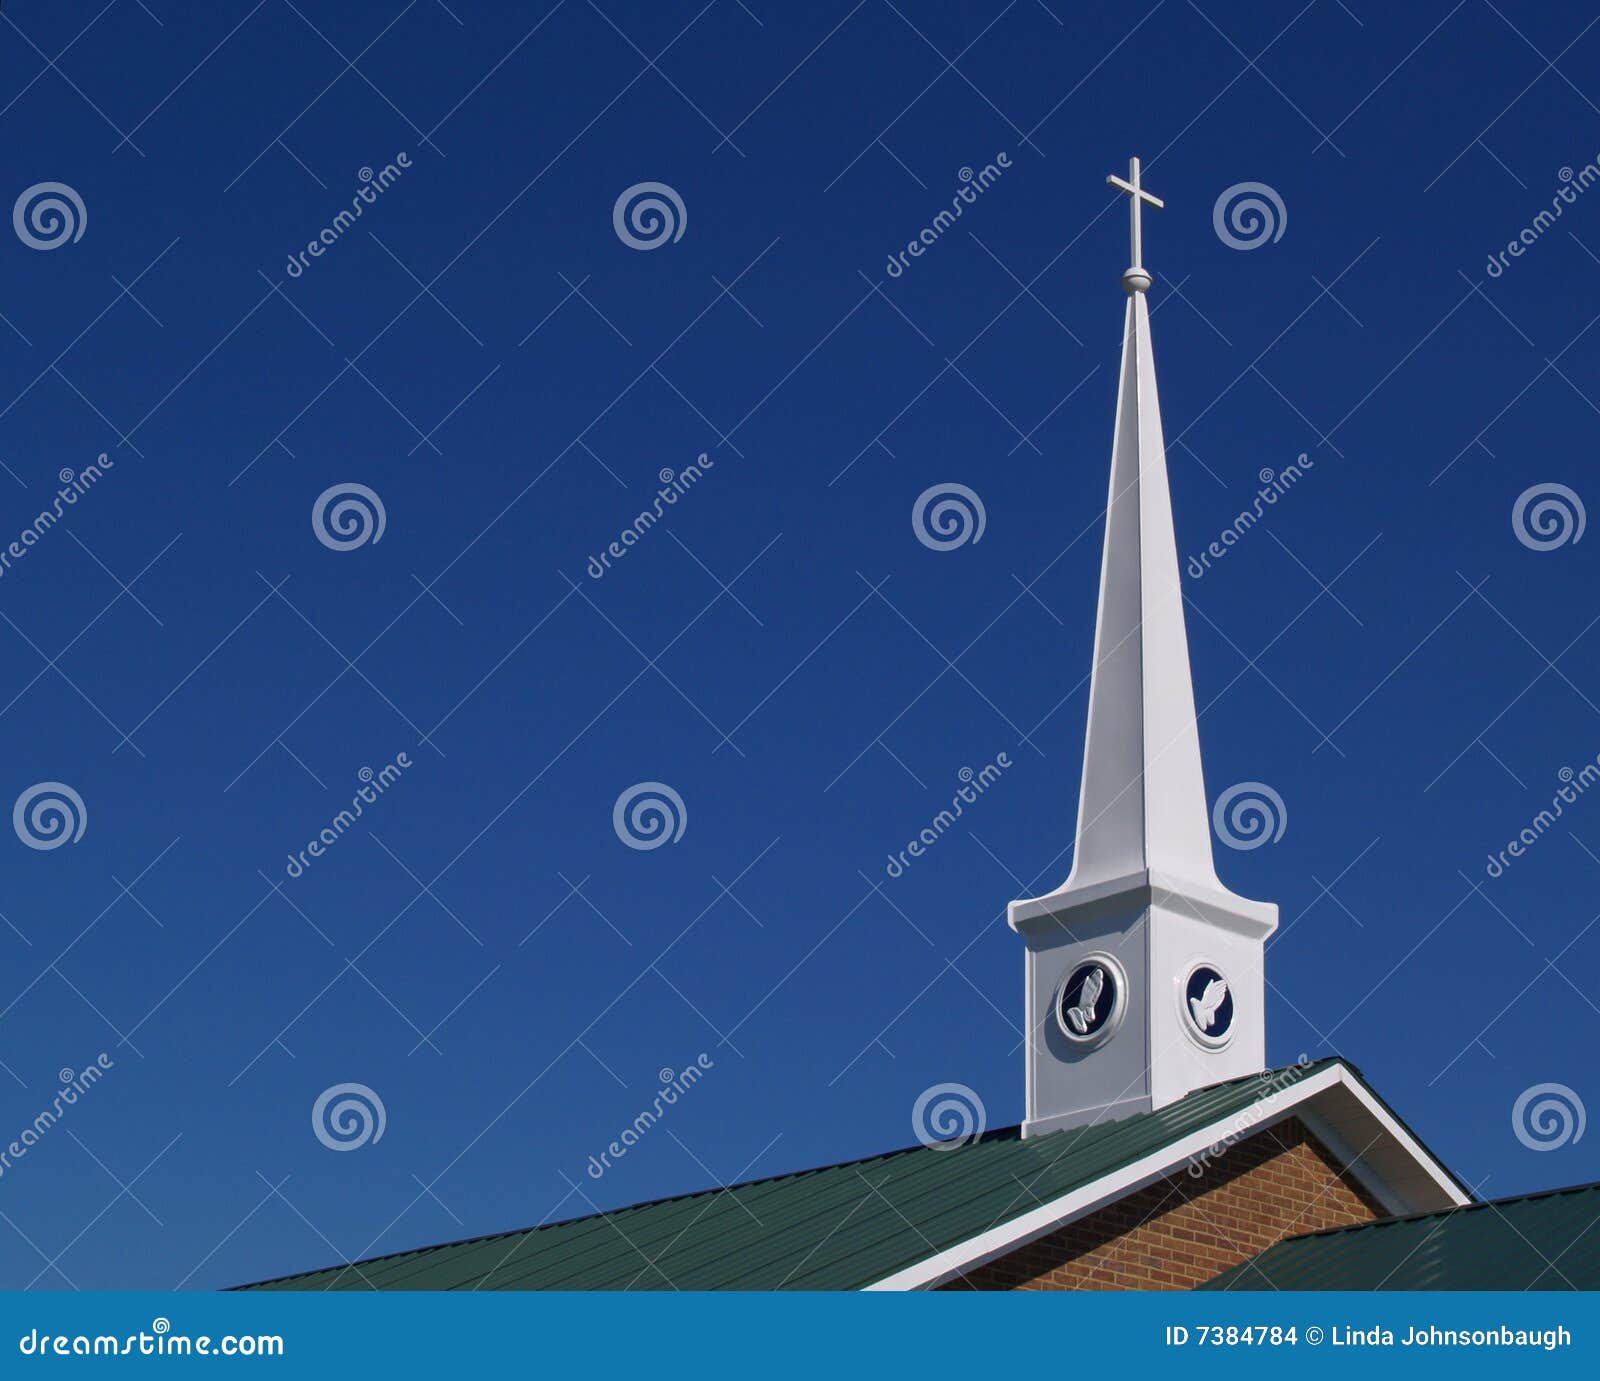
(1012, 1133)
(993, 1135)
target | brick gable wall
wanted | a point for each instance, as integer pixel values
(1185, 1229)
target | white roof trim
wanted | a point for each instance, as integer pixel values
(1426, 1185)
(1400, 1194)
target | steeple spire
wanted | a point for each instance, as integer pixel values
(1142, 918)
(1143, 802)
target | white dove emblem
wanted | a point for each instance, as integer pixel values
(1080, 1016)
(1205, 1006)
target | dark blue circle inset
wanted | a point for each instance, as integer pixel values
(1088, 1000)
(1208, 1004)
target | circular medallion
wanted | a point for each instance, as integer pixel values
(1207, 1001)
(1091, 1001)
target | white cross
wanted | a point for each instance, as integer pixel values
(1136, 194)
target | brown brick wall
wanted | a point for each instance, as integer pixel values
(1186, 1229)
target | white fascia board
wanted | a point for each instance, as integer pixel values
(1018, 1232)
(1422, 1165)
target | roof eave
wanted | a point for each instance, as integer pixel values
(1355, 1125)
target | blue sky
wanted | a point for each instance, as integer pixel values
(484, 352)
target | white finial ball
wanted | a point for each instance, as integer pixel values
(1136, 280)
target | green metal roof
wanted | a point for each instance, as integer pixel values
(1535, 1242)
(841, 1227)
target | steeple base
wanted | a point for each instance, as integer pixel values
(1139, 991)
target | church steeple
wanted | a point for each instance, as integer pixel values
(1142, 927)
(1143, 801)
